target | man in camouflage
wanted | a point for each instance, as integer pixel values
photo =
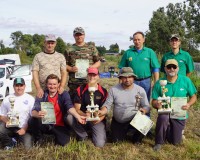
(80, 50)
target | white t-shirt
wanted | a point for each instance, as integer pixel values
(23, 106)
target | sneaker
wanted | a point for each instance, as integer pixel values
(80, 139)
(157, 147)
(7, 148)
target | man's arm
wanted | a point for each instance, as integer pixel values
(156, 76)
(96, 64)
(77, 106)
(192, 100)
(4, 119)
(36, 81)
(188, 74)
(63, 81)
(80, 119)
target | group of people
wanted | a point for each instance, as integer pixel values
(52, 70)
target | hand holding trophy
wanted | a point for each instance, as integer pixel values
(92, 109)
(13, 116)
(165, 101)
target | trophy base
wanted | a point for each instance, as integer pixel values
(163, 111)
(12, 125)
(93, 119)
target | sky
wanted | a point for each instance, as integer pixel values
(105, 22)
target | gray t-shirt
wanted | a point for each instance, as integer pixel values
(124, 101)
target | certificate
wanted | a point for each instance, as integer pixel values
(142, 123)
(176, 106)
(82, 65)
(49, 117)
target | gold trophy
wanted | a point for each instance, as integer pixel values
(92, 109)
(13, 116)
(165, 101)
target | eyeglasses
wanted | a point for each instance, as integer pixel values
(171, 66)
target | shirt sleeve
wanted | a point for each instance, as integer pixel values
(123, 61)
(4, 108)
(37, 105)
(77, 98)
(109, 100)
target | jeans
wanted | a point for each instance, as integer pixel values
(6, 135)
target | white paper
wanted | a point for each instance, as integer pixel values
(82, 65)
(142, 123)
(176, 106)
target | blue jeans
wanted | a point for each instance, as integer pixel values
(6, 135)
(146, 84)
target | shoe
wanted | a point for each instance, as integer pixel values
(81, 139)
(7, 148)
(157, 147)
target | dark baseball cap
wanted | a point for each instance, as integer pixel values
(18, 81)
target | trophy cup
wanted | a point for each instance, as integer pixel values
(92, 109)
(165, 101)
(138, 99)
(13, 116)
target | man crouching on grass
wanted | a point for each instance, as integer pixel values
(62, 105)
(23, 104)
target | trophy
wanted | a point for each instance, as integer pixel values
(13, 116)
(138, 98)
(165, 101)
(92, 109)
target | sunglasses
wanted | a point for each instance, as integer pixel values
(171, 66)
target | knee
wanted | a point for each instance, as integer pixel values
(99, 143)
(69, 120)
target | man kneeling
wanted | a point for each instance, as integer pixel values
(62, 105)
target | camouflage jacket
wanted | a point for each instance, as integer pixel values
(88, 51)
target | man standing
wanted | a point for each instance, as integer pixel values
(62, 105)
(23, 104)
(185, 62)
(80, 50)
(83, 98)
(177, 86)
(48, 62)
(124, 97)
(143, 61)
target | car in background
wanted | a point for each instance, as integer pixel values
(8, 73)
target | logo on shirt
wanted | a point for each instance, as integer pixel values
(130, 59)
(146, 59)
(182, 89)
(181, 61)
(25, 102)
(98, 97)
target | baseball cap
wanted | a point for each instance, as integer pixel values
(92, 70)
(175, 36)
(126, 72)
(18, 81)
(78, 30)
(171, 61)
(50, 37)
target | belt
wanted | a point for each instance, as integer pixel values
(140, 79)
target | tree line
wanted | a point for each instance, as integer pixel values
(182, 18)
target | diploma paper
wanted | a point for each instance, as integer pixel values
(49, 118)
(82, 65)
(176, 104)
(142, 123)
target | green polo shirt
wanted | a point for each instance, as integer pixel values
(184, 60)
(183, 87)
(142, 63)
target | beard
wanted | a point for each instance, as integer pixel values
(172, 74)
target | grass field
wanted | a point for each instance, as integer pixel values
(188, 150)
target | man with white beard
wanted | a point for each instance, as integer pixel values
(177, 86)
